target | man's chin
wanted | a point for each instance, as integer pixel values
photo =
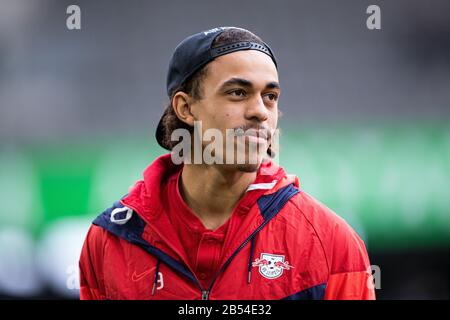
(242, 167)
(251, 164)
(248, 167)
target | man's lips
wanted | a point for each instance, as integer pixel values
(258, 134)
(255, 139)
(261, 134)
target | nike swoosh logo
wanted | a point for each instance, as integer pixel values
(136, 277)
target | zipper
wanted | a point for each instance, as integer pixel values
(242, 246)
(234, 255)
(205, 294)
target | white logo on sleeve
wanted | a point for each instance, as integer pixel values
(271, 266)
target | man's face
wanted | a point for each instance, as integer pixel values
(241, 90)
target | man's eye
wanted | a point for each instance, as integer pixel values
(237, 93)
(272, 96)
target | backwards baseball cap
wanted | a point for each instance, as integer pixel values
(192, 54)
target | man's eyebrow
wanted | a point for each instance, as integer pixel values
(273, 85)
(246, 83)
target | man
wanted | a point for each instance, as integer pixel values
(226, 229)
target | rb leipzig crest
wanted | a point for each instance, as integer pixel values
(271, 266)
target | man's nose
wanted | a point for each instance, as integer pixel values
(257, 110)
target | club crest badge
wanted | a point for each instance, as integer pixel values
(271, 266)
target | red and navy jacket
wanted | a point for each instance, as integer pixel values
(290, 246)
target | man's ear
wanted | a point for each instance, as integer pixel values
(181, 103)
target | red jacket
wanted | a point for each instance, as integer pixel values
(289, 246)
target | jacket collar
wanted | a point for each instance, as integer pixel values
(144, 198)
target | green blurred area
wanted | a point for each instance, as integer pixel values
(391, 182)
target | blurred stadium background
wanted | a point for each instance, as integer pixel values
(365, 125)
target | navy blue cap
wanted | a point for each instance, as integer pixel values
(195, 52)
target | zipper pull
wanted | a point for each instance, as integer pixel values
(205, 295)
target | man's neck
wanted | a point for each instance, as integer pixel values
(212, 192)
